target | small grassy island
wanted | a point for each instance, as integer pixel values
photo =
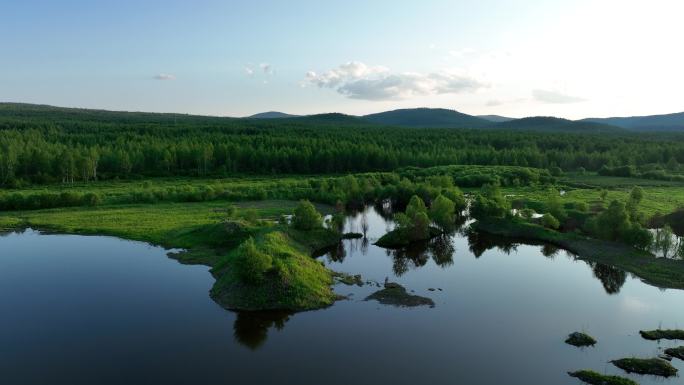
(579, 339)
(662, 334)
(652, 366)
(414, 225)
(273, 270)
(677, 352)
(593, 378)
(396, 295)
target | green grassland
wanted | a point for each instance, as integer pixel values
(663, 200)
(166, 224)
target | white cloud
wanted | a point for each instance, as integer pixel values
(357, 80)
(165, 77)
(555, 97)
(249, 71)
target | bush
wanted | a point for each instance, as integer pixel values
(443, 212)
(556, 171)
(249, 263)
(489, 203)
(306, 217)
(549, 221)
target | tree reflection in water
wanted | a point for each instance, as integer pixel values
(251, 327)
(478, 243)
(440, 249)
(612, 279)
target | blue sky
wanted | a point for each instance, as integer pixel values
(570, 58)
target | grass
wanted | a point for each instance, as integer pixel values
(652, 366)
(201, 230)
(661, 200)
(661, 272)
(294, 282)
(662, 334)
(593, 378)
(173, 225)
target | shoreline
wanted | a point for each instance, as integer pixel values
(660, 272)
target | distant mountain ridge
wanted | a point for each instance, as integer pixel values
(550, 123)
(427, 117)
(271, 115)
(413, 118)
(665, 122)
(495, 118)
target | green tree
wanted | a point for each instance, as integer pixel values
(554, 205)
(306, 217)
(489, 203)
(443, 212)
(415, 207)
(613, 222)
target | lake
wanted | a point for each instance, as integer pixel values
(101, 310)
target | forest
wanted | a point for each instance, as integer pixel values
(45, 145)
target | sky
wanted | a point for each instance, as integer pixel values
(566, 58)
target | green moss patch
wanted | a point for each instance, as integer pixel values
(593, 378)
(394, 294)
(661, 334)
(652, 366)
(580, 339)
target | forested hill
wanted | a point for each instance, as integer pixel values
(667, 122)
(271, 115)
(45, 145)
(427, 117)
(551, 124)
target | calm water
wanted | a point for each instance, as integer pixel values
(100, 310)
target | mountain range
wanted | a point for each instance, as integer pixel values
(415, 118)
(445, 118)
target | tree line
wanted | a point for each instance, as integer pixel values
(52, 146)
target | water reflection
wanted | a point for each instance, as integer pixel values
(251, 328)
(612, 279)
(479, 243)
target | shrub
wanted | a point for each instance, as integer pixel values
(306, 217)
(549, 221)
(249, 263)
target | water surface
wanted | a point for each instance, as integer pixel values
(85, 310)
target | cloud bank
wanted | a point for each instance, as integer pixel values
(357, 80)
(555, 97)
